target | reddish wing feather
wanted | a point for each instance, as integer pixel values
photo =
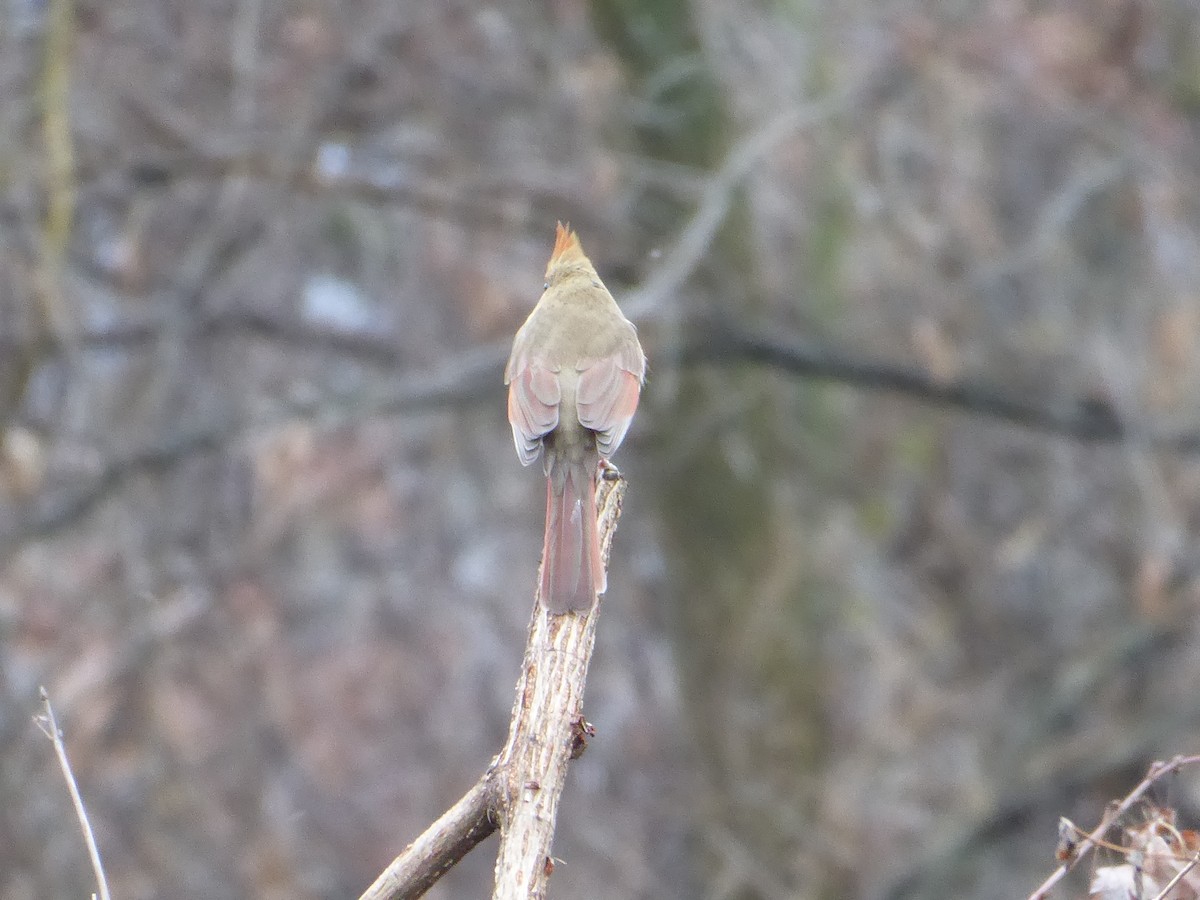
(543, 384)
(607, 398)
(533, 399)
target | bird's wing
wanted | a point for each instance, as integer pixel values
(533, 399)
(607, 396)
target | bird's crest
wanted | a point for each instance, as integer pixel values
(566, 248)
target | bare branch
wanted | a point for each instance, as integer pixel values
(1084, 418)
(1110, 818)
(69, 508)
(1179, 876)
(519, 792)
(244, 61)
(49, 726)
(60, 181)
(547, 727)
(697, 236)
(440, 847)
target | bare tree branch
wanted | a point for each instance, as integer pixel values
(697, 236)
(442, 845)
(547, 729)
(1084, 418)
(1044, 782)
(519, 792)
(61, 186)
(69, 506)
(1110, 818)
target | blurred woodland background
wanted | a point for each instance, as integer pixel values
(264, 538)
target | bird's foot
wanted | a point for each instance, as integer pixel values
(607, 471)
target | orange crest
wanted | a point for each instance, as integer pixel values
(566, 247)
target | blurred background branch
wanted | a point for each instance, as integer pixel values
(59, 169)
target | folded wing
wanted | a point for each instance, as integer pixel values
(607, 396)
(533, 399)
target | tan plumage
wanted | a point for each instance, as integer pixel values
(574, 378)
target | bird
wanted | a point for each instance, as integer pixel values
(574, 379)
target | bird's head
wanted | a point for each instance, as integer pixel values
(568, 257)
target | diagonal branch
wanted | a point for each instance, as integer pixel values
(519, 792)
(48, 723)
(440, 847)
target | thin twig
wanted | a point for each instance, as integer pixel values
(1113, 815)
(692, 243)
(654, 296)
(49, 726)
(1191, 864)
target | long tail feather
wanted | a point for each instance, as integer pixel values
(572, 573)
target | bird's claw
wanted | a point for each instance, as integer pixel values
(609, 472)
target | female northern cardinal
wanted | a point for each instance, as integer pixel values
(573, 379)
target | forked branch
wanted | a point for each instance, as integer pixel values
(519, 792)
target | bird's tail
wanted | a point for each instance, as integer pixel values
(572, 573)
